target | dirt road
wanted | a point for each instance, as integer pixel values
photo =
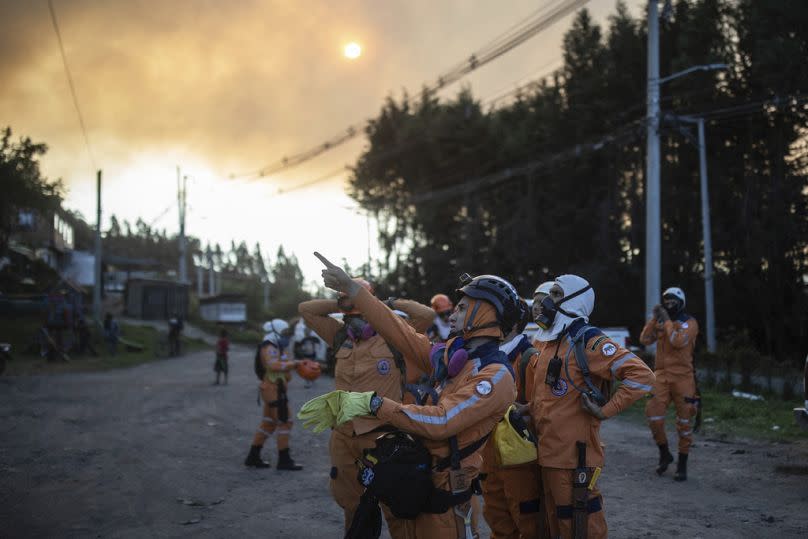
(157, 451)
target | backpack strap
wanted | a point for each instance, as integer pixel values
(526, 355)
(456, 455)
(579, 346)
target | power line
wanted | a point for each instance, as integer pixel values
(70, 83)
(511, 39)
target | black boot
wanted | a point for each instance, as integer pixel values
(285, 462)
(665, 458)
(254, 458)
(681, 468)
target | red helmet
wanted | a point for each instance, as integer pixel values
(345, 304)
(441, 303)
(308, 369)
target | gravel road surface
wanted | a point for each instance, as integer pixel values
(157, 451)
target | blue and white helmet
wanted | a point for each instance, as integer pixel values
(277, 331)
(676, 292)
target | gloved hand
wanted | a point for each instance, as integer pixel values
(353, 404)
(335, 278)
(320, 413)
(591, 406)
(334, 408)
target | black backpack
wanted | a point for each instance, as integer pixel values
(260, 370)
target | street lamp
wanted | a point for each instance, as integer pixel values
(653, 226)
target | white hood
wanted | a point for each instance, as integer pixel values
(580, 306)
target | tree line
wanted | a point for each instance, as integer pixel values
(552, 181)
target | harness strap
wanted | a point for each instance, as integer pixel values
(592, 506)
(583, 365)
(458, 455)
(526, 355)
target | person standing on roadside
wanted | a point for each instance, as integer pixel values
(273, 368)
(674, 332)
(222, 348)
(471, 386)
(571, 398)
(363, 362)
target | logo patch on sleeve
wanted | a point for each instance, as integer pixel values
(684, 325)
(484, 388)
(383, 366)
(609, 349)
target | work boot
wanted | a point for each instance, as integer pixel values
(285, 462)
(254, 458)
(665, 458)
(681, 468)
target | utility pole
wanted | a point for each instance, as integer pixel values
(653, 264)
(182, 184)
(97, 268)
(707, 240)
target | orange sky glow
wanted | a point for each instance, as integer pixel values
(228, 87)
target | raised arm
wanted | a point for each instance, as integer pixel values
(421, 316)
(649, 332)
(315, 312)
(413, 346)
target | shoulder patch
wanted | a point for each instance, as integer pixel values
(684, 325)
(608, 349)
(483, 388)
(598, 341)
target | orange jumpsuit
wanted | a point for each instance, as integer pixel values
(675, 377)
(511, 493)
(364, 365)
(560, 421)
(421, 316)
(278, 367)
(470, 405)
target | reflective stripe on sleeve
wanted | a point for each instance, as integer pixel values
(459, 407)
(617, 364)
(656, 418)
(637, 385)
(686, 433)
(683, 421)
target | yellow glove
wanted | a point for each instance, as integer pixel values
(353, 404)
(320, 413)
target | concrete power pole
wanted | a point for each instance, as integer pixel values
(97, 268)
(182, 185)
(707, 240)
(653, 265)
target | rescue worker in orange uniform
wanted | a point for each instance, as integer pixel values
(473, 386)
(442, 308)
(511, 493)
(570, 400)
(674, 332)
(364, 362)
(419, 316)
(273, 367)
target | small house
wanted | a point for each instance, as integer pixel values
(226, 308)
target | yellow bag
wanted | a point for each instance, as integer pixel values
(513, 446)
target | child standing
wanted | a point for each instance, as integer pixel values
(222, 346)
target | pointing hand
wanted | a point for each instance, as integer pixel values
(335, 278)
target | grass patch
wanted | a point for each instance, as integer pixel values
(727, 417)
(246, 334)
(21, 333)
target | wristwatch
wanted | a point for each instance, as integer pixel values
(375, 403)
(390, 301)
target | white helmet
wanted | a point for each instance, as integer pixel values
(544, 288)
(275, 330)
(676, 292)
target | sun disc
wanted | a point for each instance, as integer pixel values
(352, 51)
